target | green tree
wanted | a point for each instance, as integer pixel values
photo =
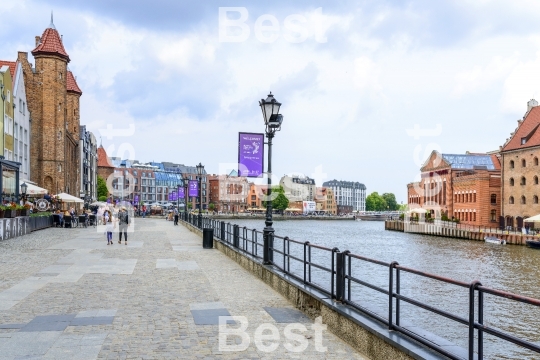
(102, 188)
(375, 202)
(211, 206)
(102, 198)
(280, 201)
(390, 201)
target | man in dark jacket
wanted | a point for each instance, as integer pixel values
(123, 224)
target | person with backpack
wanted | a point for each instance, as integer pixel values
(123, 224)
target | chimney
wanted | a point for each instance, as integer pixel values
(530, 104)
(62, 39)
(38, 39)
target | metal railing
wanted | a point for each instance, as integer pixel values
(335, 279)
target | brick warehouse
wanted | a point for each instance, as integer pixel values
(53, 100)
(466, 187)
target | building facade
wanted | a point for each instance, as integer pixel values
(255, 196)
(465, 187)
(348, 193)
(53, 100)
(7, 69)
(229, 193)
(105, 168)
(326, 201)
(521, 169)
(298, 188)
(88, 162)
(21, 129)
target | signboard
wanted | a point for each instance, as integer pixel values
(193, 188)
(136, 199)
(174, 196)
(309, 207)
(250, 154)
(181, 193)
(170, 196)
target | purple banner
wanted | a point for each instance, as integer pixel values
(250, 154)
(170, 197)
(136, 199)
(181, 193)
(174, 196)
(193, 188)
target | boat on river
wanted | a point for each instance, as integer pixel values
(494, 240)
(535, 244)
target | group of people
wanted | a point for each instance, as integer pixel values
(110, 221)
(173, 214)
(72, 213)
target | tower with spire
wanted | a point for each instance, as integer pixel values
(53, 99)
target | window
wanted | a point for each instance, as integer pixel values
(523, 163)
(24, 108)
(523, 141)
(523, 200)
(60, 76)
(511, 181)
(20, 105)
(523, 181)
(535, 180)
(493, 199)
(60, 135)
(8, 96)
(535, 199)
(493, 215)
(535, 161)
(511, 164)
(511, 200)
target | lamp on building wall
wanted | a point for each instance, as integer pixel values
(200, 171)
(272, 120)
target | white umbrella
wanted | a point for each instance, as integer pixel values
(535, 218)
(97, 203)
(69, 198)
(34, 189)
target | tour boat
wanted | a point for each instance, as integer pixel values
(535, 244)
(494, 240)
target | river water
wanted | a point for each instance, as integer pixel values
(509, 268)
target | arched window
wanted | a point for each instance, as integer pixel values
(511, 200)
(511, 181)
(523, 181)
(523, 200)
(535, 199)
(511, 164)
(493, 199)
(536, 161)
(535, 180)
(523, 163)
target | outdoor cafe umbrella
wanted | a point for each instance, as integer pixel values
(34, 189)
(535, 218)
(69, 198)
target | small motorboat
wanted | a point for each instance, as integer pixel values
(535, 244)
(494, 240)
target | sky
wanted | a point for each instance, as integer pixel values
(176, 81)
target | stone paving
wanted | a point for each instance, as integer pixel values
(65, 294)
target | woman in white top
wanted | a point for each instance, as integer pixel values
(109, 226)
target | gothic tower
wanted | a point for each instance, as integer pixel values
(53, 99)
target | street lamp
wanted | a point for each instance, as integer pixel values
(186, 198)
(272, 121)
(200, 170)
(24, 189)
(178, 186)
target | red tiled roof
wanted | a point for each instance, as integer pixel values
(71, 84)
(11, 65)
(496, 161)
(51, 44)
(103, 159)
(527, 130)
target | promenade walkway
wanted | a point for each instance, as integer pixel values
(65, 294)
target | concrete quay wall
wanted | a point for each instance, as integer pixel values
(438, 230)
(368, 336)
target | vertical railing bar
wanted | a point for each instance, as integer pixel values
(472, 287)
(349, 280)
(481, 322)
(398, 288)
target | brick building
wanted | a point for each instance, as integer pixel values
(466, 187)
(326, 200)
(229, 193)
(53, 99)
(254, 199)
(520, 169)
(104, 166)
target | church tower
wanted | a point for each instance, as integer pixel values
(53, 99)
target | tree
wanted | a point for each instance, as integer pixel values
(280, 201)
(102, 188)
(390, 201)
(375, 202)
(102, 198)
(211, 206)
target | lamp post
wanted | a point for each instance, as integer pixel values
(272, 121)
(24, 189)
(178, 186)
(186, 198)
(200, 170)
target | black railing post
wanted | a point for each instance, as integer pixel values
(306, 244)
(340, 274)
(333, 273)
(398, 282)
(481, 322)
(472, 287)
(236, 235)
(391, 295)
(222, 232)
(285, 241)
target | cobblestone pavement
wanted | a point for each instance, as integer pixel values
(65, 294)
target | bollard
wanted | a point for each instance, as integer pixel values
(236, 236)
(223, 230)
(208, 238)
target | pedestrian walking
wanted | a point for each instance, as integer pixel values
(175, 216)
(109, 226)
(123, 224)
